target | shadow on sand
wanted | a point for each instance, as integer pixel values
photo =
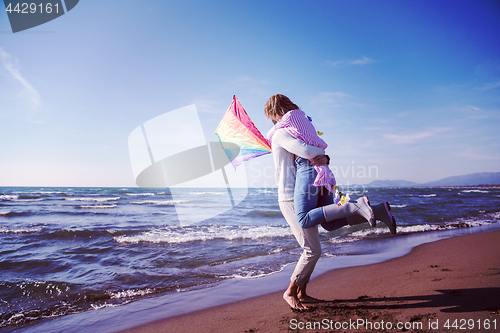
(448, 300)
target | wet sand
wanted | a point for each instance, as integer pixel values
(448, 285)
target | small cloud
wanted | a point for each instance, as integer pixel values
(478, 113)
(355, 62)
(473, 108)
(259, 87)
(473, 154)
(208, 106)
(489, 86)
(363, 61)
(328, 99)
(247, 81)
(403, 114)
(382, 120)
(10, 66)
(414, 137)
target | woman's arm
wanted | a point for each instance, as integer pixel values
(294, 146)
(320, 160)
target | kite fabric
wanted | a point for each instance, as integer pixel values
(236, 128)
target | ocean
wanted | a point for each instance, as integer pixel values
(72, 250)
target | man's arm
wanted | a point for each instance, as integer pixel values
(294, 146)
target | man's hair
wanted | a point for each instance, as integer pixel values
(277, 106)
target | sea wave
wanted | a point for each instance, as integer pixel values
(139, 194)
(173, 235)
(159, 202)
(417, 228)
(55, 298)
(96, 206)
(256, 192)
(131, 293)
(427, 195)
(20, 198)
(398, 206)
(80, 212)
(20, 230)
(41, 192)
(474, 191)
(254, 274)
(85, 233)
(104, 305)
(30, 200)
(209, 193)
(265, 213)
(93, 199)
(8, 197)
(9, 213)
(28, 196)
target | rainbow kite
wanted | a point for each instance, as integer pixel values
(239, 137)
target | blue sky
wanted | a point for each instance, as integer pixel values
(407, 89)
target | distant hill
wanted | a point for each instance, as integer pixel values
(481, 178)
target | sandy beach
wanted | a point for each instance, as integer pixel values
(448, 285)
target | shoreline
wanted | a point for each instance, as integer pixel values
(452, 279)
(139, 315)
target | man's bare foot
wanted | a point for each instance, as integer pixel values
(309, 299)
(293, 301)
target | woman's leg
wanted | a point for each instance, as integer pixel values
(310, 199)
(360, 207)
(308, 239)
(326, 198)
(306, 195)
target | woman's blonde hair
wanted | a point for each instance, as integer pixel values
(277, 106)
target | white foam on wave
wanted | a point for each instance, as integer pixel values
(370, 231)
(105, 305)
(131, 293)
(41, 192)
(139, 194)
(93, 199)
(474, 191)
(209, 193)
(175, 235)
(343, 240)
(159, 202)
(277, 250)
(8, 197)
(30, 200)
(374, 232)
(263, 192)
(5, 212)
(418, 228)
(254, 274)
(399, 206)
(427, 195)
(19, 231)
(97, 206)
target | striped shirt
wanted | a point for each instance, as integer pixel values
(301, 128)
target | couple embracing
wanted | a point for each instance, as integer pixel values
(306, 191)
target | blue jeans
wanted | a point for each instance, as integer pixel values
(309, 199)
